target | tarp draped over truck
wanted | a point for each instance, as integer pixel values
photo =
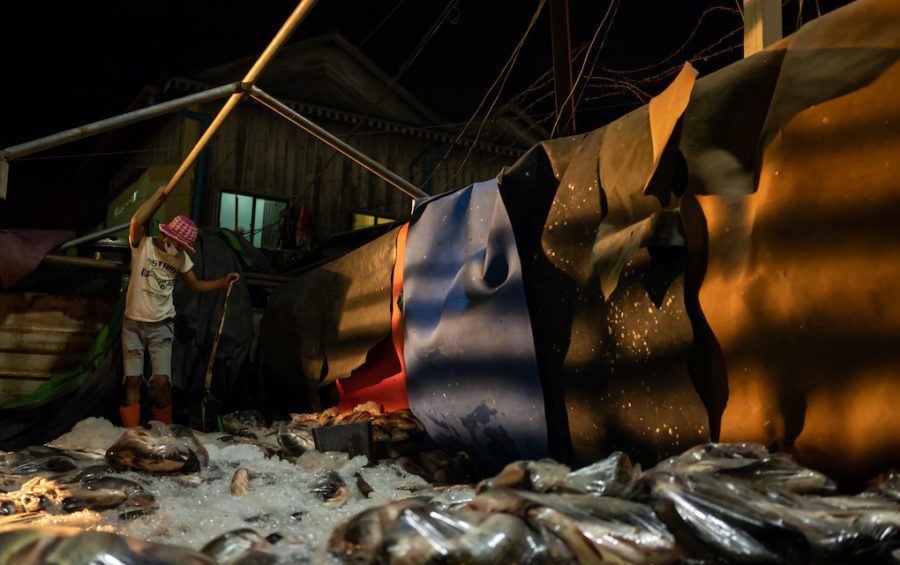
(720, 264)
(723, 262)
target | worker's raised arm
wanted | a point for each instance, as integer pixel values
(140, 219)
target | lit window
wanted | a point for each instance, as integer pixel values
(257, 219)
(368, 220)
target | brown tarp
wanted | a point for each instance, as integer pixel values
(614, 370)
(802, 266)
(722, 263)
(719, 264)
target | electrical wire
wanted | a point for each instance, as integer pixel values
(423, 42)
(584, 63)
(381, 23)
(509, 67)
(504, 74)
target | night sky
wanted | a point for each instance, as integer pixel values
(71, 63)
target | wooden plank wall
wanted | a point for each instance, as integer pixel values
(258, 153)
(42, 334)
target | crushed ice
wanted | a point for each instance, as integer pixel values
(192, 510)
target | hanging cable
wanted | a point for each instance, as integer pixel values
(381, 23)
(423, 42)
(504, 74)
(606, 16)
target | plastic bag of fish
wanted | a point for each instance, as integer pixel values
(158, 448)
(397, 435)
(64, 546)
(714, 503)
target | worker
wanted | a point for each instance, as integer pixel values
(149, 323)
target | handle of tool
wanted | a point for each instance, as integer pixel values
(215, 347)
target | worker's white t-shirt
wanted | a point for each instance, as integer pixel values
(153, 273)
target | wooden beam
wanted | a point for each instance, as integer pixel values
(762, 24)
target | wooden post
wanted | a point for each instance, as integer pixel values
(762, 24)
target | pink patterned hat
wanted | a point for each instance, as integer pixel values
(183, 230)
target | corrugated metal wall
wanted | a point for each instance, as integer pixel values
(42, 334)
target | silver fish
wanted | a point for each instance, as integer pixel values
(331, 488)
(160, 449)
(361, 538)
(232, 545)
(547, 475)
(295, 441)
(36, 459)
(238, 423)
(76, 499)
(71, 546)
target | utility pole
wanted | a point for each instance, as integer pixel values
(762, 24)
(562, 66)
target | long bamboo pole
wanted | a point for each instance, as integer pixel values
(283, 34)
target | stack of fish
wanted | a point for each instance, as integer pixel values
(397, 436)
(64, 546)
(714, 503)
(44, 480)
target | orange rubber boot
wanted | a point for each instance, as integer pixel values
(131, 415)
(163, 414)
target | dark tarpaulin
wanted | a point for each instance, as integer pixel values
(319, 327)
(197, 319)
(471, 371)
(604, 271)
(723, 262)
(791, 216)
(21, 251)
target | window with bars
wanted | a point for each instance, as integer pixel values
(257, 219)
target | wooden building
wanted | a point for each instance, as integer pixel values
(258, 164)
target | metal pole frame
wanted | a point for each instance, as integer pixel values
(94, 128)
(280, 38)
(128, 118)
(253, 279)
(323, 135)
(93, 236)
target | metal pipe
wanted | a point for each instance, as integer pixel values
(254, 279)
(93, 236)
(94, 128)
(283, 34)
(86, 262)
(338, 145)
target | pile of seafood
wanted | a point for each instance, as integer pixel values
(162, 485)
(165, 494)
(714, 503)
(398, 436)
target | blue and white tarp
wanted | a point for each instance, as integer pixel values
(472, 374)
